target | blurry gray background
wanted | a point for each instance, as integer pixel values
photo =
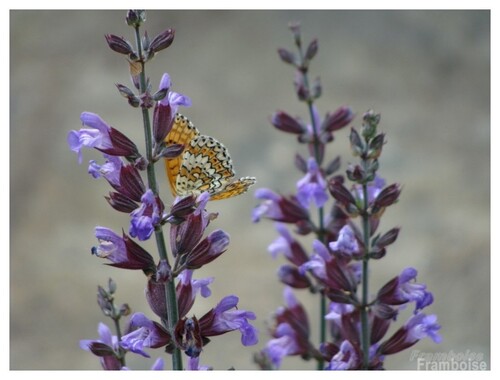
(427, 72)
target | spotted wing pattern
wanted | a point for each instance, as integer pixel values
(205, 165)
(183, 131)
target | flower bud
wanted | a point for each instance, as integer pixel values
(294, 26)
(370, 123)
(162, 41)
(131, 184)
(290, 275)
(333, 166)
(388, 238)
(337, 120)
(340, 193)
(287, 56)
(387, 196)
(138, 257)
(208, 249)
(300, 163)
(155, 295)
(312, 49)
(357, 146)
(125, 310)
(103, 300)
(356, 173)
(129, 95)
(111, 286)
(184, 207)
(162, 121)
(375, 146)
(286, 123)
(135, 17)
(118, 44)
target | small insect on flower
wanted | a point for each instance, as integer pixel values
(205, 164)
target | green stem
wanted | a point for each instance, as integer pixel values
(172, 316)
(365, 326)
(321, 231)
(119, 337)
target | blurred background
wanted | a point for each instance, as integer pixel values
(426, 72)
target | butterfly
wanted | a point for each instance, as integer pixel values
(204, 165)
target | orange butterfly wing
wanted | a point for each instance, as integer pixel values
(183, 131)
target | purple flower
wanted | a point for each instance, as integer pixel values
(185, 236)
(337, 310)
(278, 208)
(288, 246)
(284, 343)
(413, 291)
(144, 334)
(122, 251)
(345, 359)
(111, 246)
(101, 137)
(200, 285)
(374, 189)
(403, 289)
(346, 244)
(291, 334)
(269, 208)
(187, 289)
(106, 348)
(158, 365)
(291, 276)
(193, 364)
(173, 99)
(419, 326)
(109, 170)
(146, 217)
(223, 319)
(97, 136)
(339, 277)
(165, 111)
(312, 187)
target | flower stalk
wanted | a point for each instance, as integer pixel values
(171, 287)
(365, 326)
(303, 70)
(170, 320)
(352, 323)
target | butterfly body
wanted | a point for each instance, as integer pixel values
(205, 164)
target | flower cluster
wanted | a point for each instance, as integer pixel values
(353, 325)
(171, 288)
